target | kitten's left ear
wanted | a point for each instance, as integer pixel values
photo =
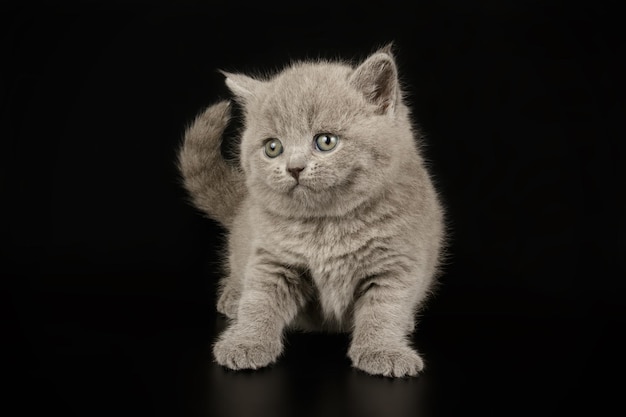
(377, 79)
(242, 86)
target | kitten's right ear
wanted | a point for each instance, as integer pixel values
(242, 86)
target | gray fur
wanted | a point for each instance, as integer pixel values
(207, 177)
(351, 245)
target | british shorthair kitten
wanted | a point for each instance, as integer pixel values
(333, 222)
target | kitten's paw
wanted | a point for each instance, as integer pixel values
(388, 361)
(236, 352)
(228, 302)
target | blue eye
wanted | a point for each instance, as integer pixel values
(273, 148)
(326, 141)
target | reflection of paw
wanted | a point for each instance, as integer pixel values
(228, 302)
(397, 361)
(236, 352)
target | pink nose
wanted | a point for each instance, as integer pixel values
(295, 172)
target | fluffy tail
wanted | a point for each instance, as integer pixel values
(216, 187)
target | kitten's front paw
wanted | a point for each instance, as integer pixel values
(228, 302)
(394, 361)
(236, 352)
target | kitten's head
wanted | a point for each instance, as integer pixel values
(321, 138)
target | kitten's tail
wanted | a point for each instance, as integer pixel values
(216, 187)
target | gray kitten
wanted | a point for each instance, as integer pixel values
(333, 223)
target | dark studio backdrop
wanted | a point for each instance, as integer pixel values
(111, 275)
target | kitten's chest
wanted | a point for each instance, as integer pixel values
(336, 249)
(320, 241)
(325, 251)
(337, 253)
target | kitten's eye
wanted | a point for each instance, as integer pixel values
(326, 141)
(273, 148)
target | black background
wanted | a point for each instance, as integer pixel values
(111, 274)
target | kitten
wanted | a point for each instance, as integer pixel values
(333, 221)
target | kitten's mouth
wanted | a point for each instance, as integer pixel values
(298, 187)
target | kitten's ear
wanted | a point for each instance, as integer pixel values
(242, 86)
(377, 79)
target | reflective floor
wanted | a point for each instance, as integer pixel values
(91, 355)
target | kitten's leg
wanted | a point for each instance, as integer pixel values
(383, 319)
(271, 298)
(229, 295)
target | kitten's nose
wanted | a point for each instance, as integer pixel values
(295, 172)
